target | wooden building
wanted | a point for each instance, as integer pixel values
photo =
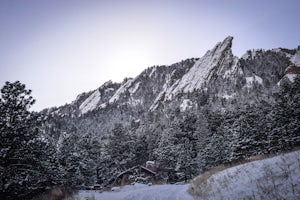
(137, 174)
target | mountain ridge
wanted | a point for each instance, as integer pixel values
(218, 78)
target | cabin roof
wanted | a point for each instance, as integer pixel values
(130, 171)
(148, 170)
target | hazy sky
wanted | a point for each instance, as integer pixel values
(60, 48)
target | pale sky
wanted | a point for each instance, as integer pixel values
(61, 48)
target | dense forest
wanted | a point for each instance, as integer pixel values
(182, 144)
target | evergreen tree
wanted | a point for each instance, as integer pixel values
(120, 152)
(23, 151)
(72, 159)
(285, 118)
(89, 149)
(188, 140)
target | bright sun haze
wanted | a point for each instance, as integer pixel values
(60, 48)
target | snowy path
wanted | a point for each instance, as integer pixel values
(141, 192)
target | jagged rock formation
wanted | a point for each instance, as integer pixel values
(217, 79)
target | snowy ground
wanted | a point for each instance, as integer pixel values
(273, 178)
(140, 192)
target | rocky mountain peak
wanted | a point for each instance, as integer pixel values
(223, 46)
(217, 78)
(220, 57)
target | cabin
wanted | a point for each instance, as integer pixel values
(142, 174)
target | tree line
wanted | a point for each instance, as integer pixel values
(183, 144)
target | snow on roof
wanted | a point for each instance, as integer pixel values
(149, 170)
(135, 167)
(150, 162)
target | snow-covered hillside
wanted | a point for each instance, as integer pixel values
(296, 58)
(140, 192)
(203, 68)
(273, 178)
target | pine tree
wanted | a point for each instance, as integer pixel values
(188, 140)
(70, 159)
(119, 152)
(22, 158)
(285, 117)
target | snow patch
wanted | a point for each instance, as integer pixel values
(116, 189)
(228, 73)
(90, 103)
(296, 59)
(165, 94)
(124, 87)
(153, 71)
(186, 105)
(109, 90)
(104, 105)
(251, 79)
(133, 89)
(227, 96)
(251, 54)
(135, 102)
(150, 162)
(291, 77)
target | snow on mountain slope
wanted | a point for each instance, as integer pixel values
(124, 87)
(97, 98)
(201, 71)
(291, 77)
(141, 192)
(272, 178)
(90, 103)
(250, 80)
(219, 73)
(296, 59)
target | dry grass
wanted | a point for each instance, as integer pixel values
(265, 187)
(202, 180)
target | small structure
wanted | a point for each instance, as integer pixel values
(138, 174)
(151, 165)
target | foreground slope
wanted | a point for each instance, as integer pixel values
(273, 178)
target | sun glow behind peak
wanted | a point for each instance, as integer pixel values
(60, 48)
